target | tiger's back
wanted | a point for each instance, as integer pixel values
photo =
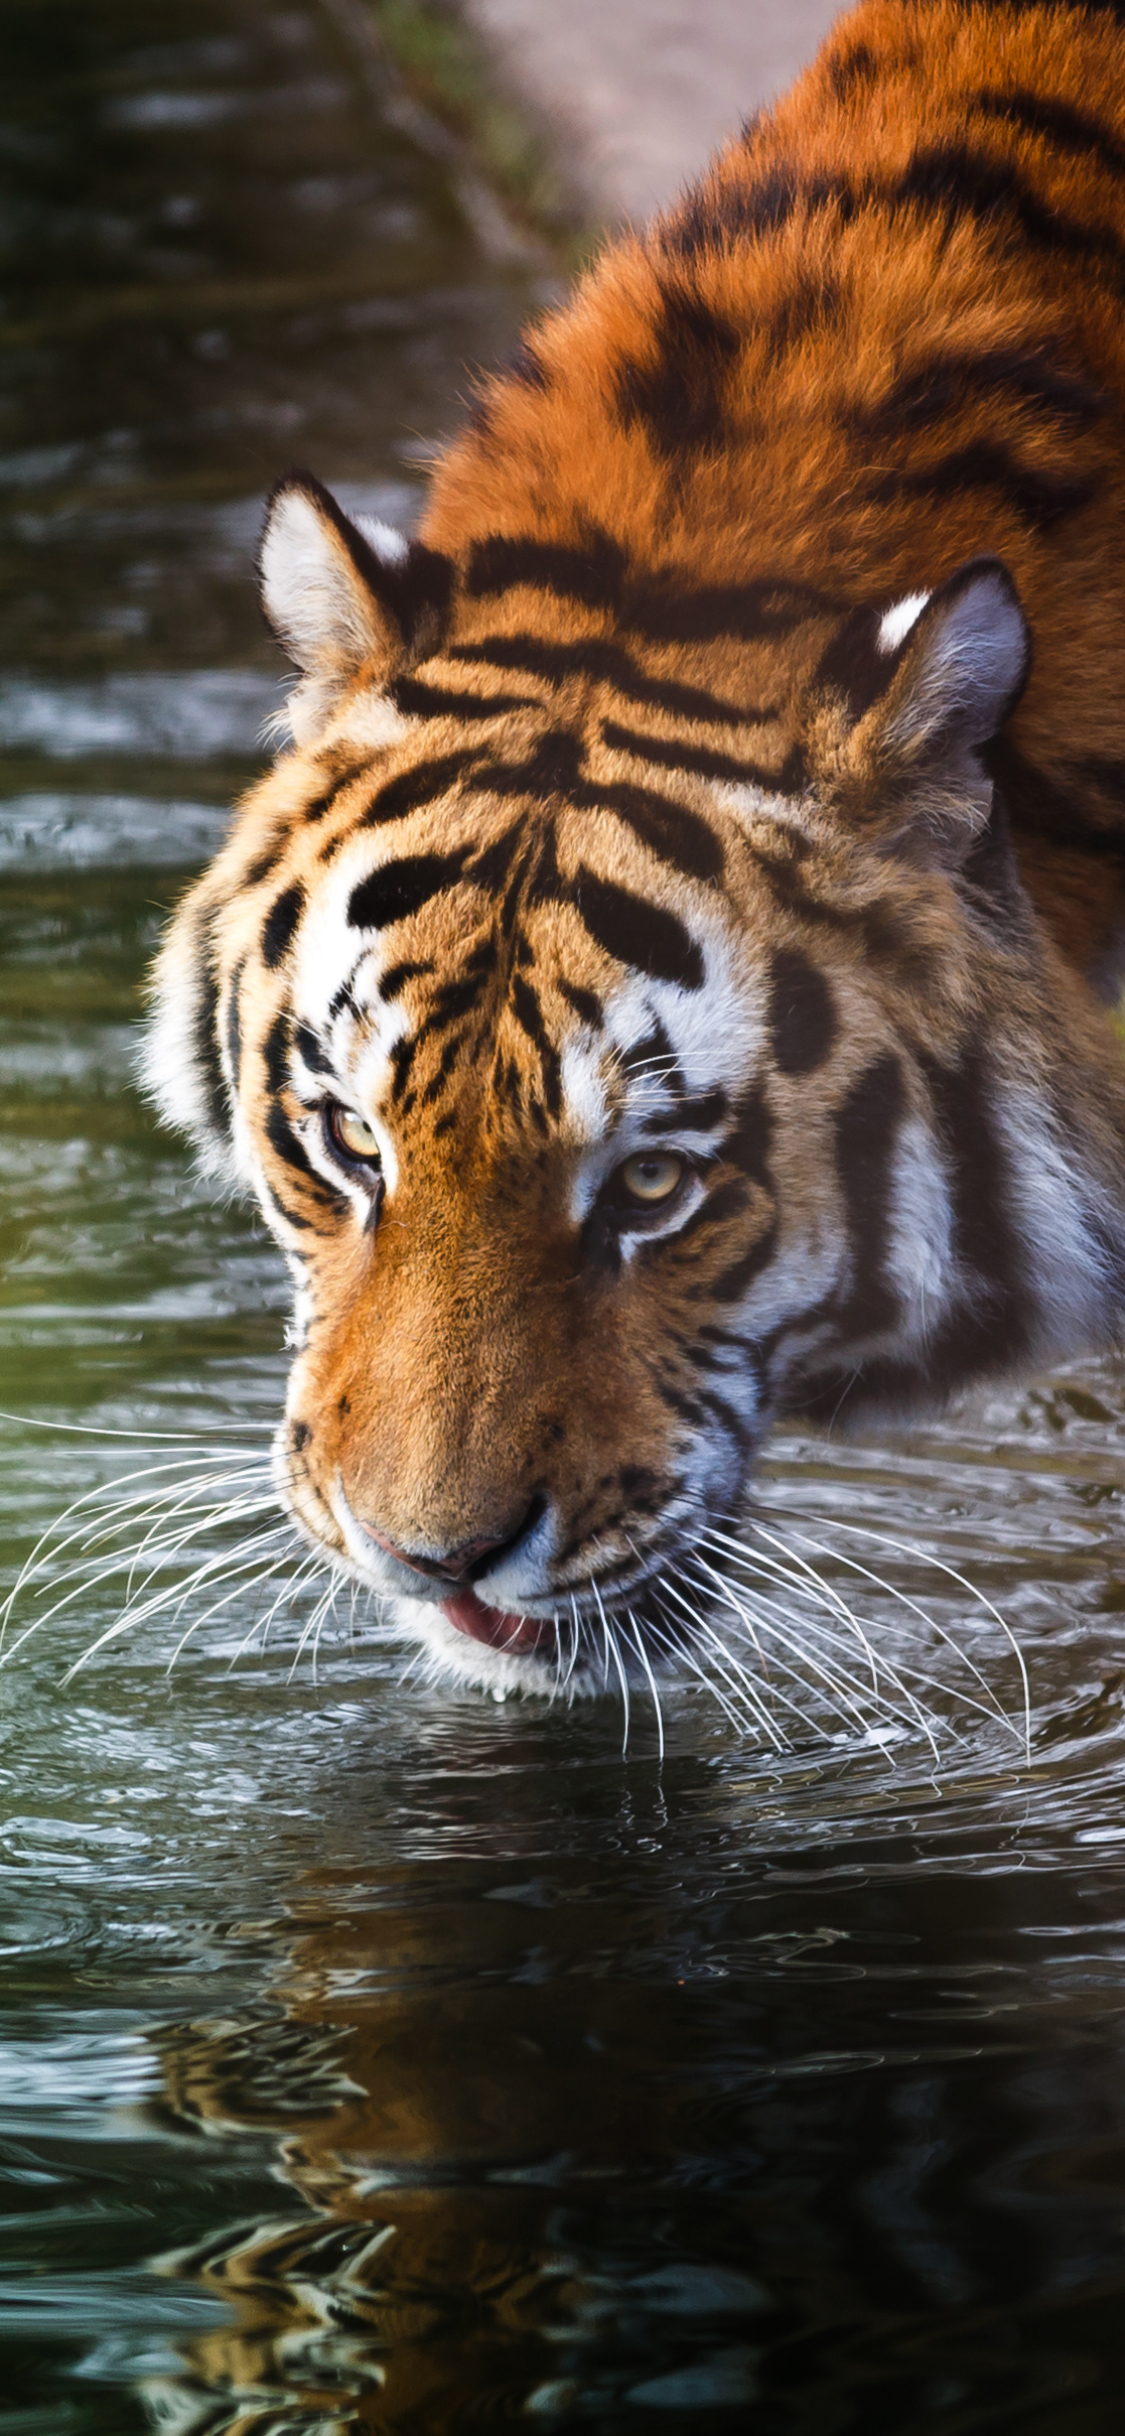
(664, 987)
(884, 335)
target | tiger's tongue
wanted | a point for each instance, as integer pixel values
(470, 1615)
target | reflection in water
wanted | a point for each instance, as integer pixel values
(537, 2167)
(453, 2072)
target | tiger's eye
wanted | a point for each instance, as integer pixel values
(352, 1135)
(651, 1176)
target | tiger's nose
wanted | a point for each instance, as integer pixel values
(463, 1563)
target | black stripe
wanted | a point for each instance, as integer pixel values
(280, 924)
(853, 662)
(343, 996)
(879, 922)
(952, 179)
(393, 982)
(948, 178)
(426, 783)
(342, 774)
(954, 377)
(526, 366)
(755, 208)
(291, 1217)
(267, 860)
(275, 1054)
(1059, 807)
(399, 889)
(420, 701)
(550, 769)
(652, 1051)
(852, 69)
(446, 1062)
(728, 1419)
(401, 1060)
(802, 1014)
(490, 869)
(867, 1128)
(284, 1141)
(686, 1408)
(991, 1328)
(985, 1243)
(586, 1006)
(637, 933)
(530, 656)
(654, 603)
(528, 1013)
(747, 1146)
(1042, 496)
(667, 828)
(456, 999)
(694, 1115)
(312, 1050)
(703, 762)
(205, 1027)
(1072, 130)
(734, 1282)
(501, 564)
(677, 393)
(747, 612)
(728, 1200)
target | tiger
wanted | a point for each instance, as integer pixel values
(667, 985)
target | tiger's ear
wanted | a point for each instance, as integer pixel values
(343, 594)
(959, 659)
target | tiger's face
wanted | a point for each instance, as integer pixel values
(604, 1114)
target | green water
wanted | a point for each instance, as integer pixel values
(372, 2057)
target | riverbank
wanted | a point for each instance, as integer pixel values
(592, 116)
(639, 93)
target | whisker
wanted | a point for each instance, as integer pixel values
(926, 1557)
(576, 1645)
(248, 1560)
(658, 1712)
(611, 1646)
(746, 1693)
(685, 1657)
(827, 1593)
(844, 1695)
(990, 1706)
(216, 1608)
(879, 1667)
(151, 1437)
(798, 1710)
(296, 1582)
(48, 1539)
(876, 1666)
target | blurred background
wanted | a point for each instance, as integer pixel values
(372, 2057)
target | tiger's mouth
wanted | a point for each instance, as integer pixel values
(515, 1635)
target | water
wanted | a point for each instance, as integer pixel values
(372, 2057)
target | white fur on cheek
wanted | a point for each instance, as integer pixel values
(169, 1057)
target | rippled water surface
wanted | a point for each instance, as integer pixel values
(370, 2057)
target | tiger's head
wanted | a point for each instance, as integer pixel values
(622, 1059)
